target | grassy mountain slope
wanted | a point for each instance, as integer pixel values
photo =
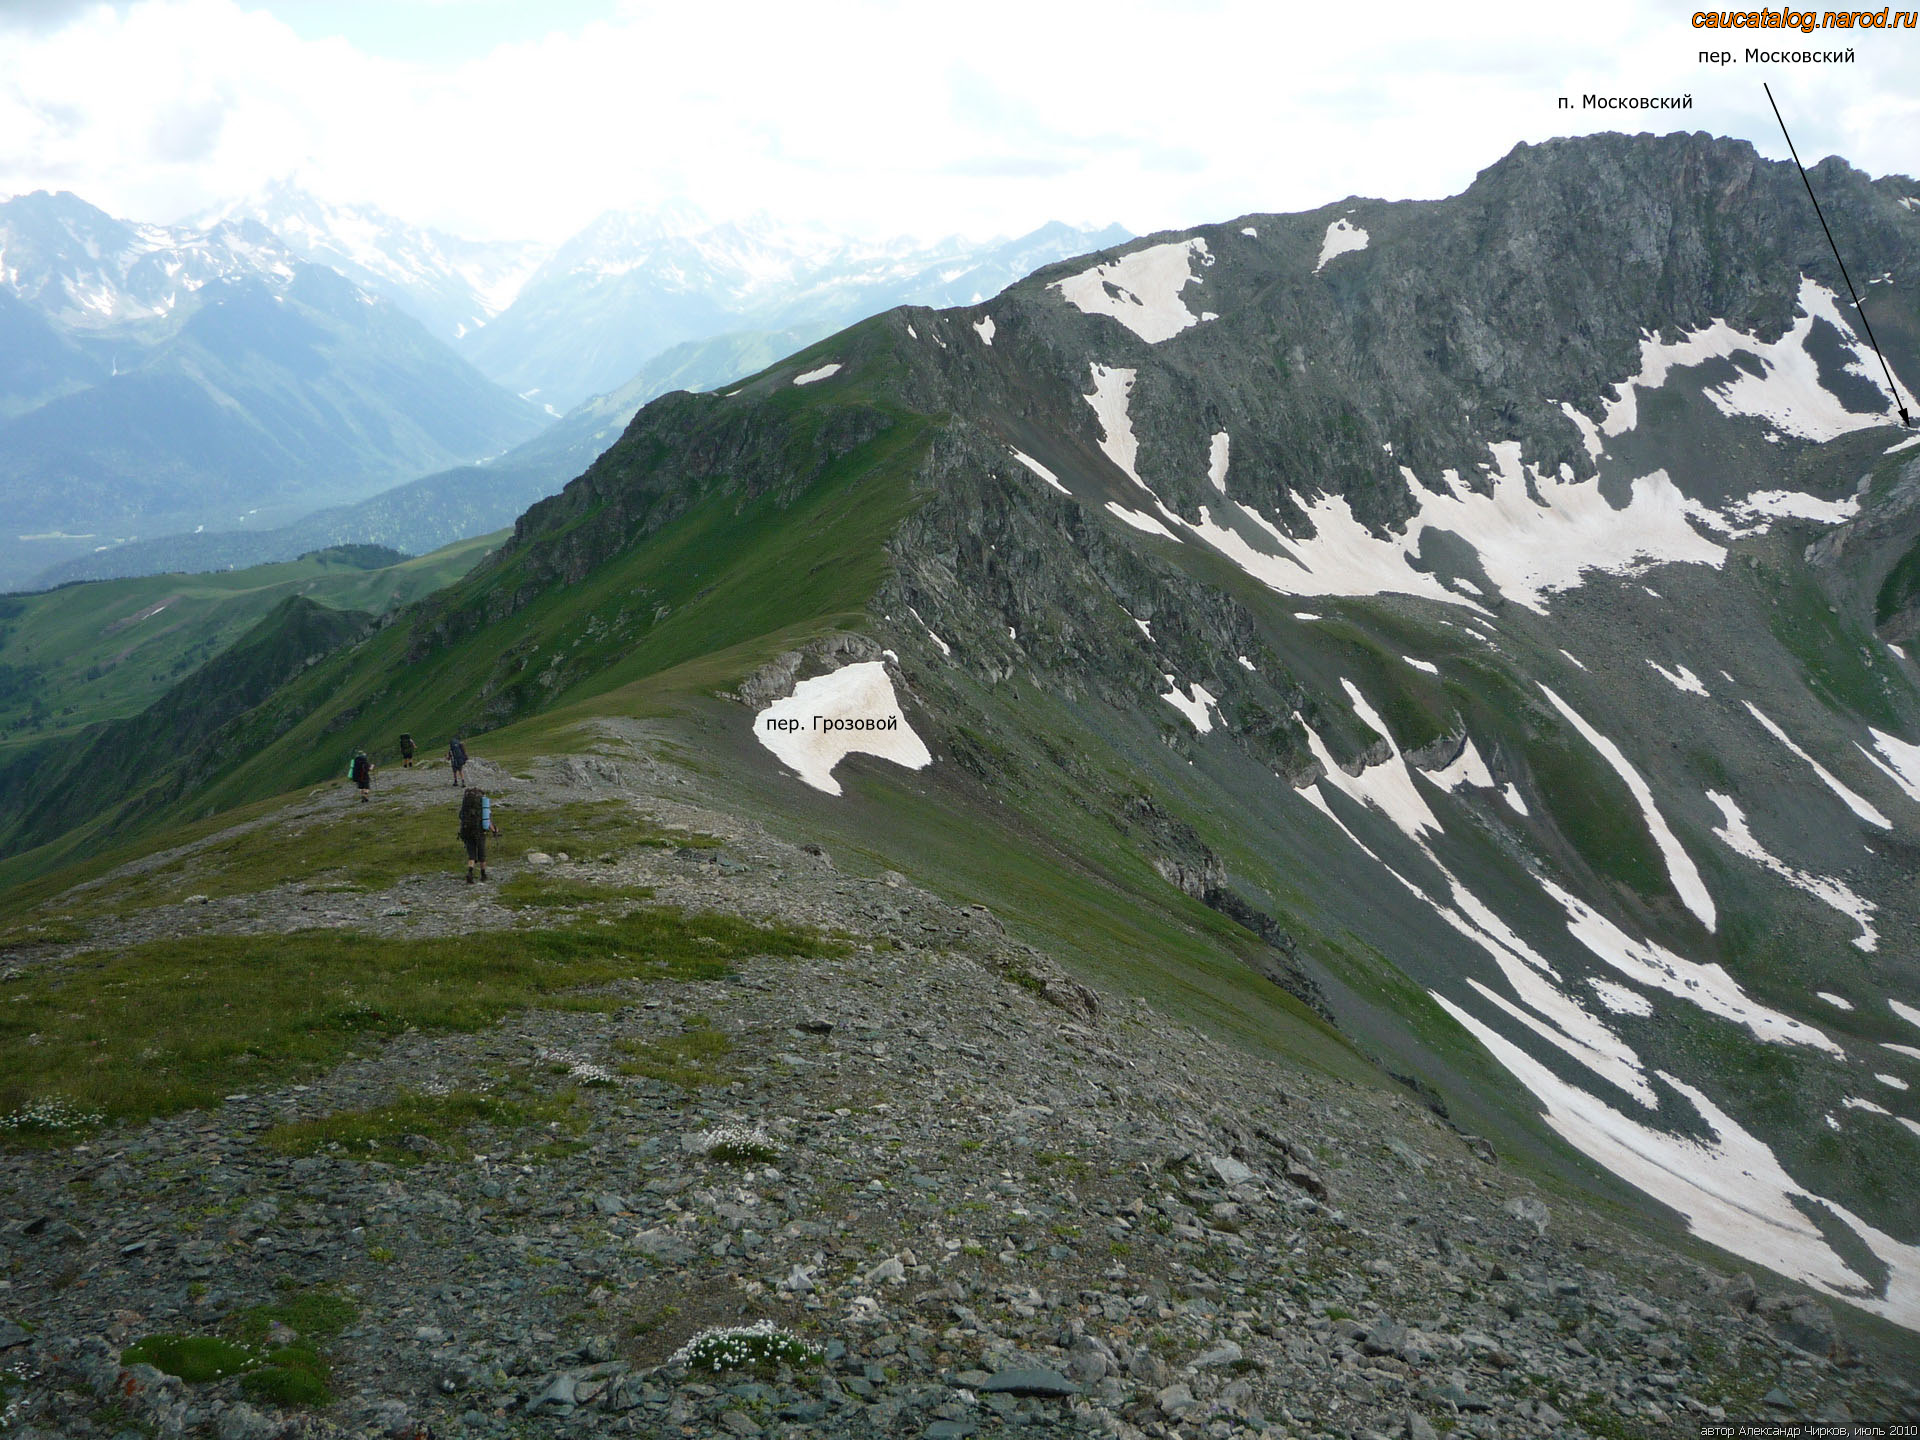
(138, 766)
(106, 649)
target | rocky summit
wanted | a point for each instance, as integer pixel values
(1299, 828)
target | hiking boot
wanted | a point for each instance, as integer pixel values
(469, 877)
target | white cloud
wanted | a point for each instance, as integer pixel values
(877, 116)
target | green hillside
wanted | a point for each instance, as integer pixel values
(84, 653)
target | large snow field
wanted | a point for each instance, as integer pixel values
(857, 692)
(1141, 290)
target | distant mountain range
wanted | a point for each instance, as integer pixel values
(636, 305)
(451, 285)
(634, 285)
(161, 379)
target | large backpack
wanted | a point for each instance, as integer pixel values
(360, 767)
(458, 754)
(470, 813)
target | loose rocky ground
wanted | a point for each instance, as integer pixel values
(995, 1201)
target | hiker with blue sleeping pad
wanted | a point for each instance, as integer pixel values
(476, 823)
(457, 758)
(360, 771)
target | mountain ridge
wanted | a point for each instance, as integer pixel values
(1573, 772)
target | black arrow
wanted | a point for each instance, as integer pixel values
(1858, 308)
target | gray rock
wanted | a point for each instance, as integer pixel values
(1224, 1353)
(1175, 1401)
(243, 1422)
(1407, 1154)
(1033, 1380)
(1741, 1293)
(1528, 1210)
(738, 1422)
(12, 1335)
(1231, 1171)
(1386, 1338)
(1088, 1360)
(557, 1398)
(1419, 1427)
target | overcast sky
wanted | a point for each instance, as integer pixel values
(502, 119)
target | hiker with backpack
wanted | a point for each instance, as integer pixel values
(457, 758)
(406, 751)
(476, 824)
(360, 771)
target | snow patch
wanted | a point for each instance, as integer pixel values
(1426, 665)
(857, 693)
(945, 649)
(1250, 232)
(824, 372)
(1792, 505)
(1534, 534)
(1839, 1002)
(1680, 678)
(1893, 1082)
(1195, 705)
(1906, 1050)
(1574, 658)
(983, 327)
(1854, 1102)
(1339, 240)
(1388, 787)
(1904, 758)
(1217, 460)
(1512, 796)
(1905, 1012)
(1589, 432)
(1852, 801)
(1787, 394)
(1619, 999)
(1680, 867)
(1042, 471)
(1654, 967)
(1245, 664)
(1466, 768)
(1141, 290)
(1732, 1190)
(1140, 520)
(1735, 834)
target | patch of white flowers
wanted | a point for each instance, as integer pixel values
(740, 1347)
(50, 1113)
(738, 1143)
(579, 1067)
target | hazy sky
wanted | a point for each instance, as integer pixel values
(502, 119)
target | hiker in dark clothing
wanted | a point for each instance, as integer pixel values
(457, 758)
(476, 823)
(406, 751)
(361, 773)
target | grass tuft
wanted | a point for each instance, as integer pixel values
(689, 1059)
(198, 1359)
